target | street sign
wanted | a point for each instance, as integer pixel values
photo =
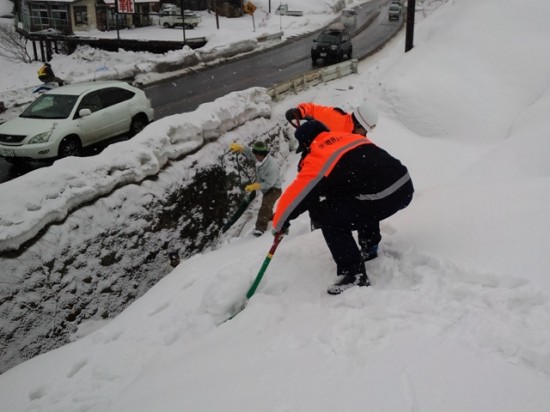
(249, 8)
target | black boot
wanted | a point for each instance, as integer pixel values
(369, 253)
(348, 281)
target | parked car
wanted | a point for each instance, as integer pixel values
(284, 11)
(64, 120)
(394, 12)
(171, 17)
(332, 45)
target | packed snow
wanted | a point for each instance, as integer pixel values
(457, 316)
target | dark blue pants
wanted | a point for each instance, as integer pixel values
(340, 217)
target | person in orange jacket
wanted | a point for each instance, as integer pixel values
(362, 120)
(360, 184)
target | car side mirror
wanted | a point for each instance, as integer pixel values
(84, 112)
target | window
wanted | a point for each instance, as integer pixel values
(52, 15)
(80, 15)
(90, 101)
(39, 15)
(59, 14)
(114, 95)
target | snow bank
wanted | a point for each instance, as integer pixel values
(71, 182)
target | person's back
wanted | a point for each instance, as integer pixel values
(367, 169)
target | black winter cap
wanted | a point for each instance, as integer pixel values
(307, 132)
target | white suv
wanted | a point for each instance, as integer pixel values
(66, 119)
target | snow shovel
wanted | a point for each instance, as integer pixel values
(240, 210)
(277, 239)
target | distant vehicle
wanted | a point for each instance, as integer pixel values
(171, 17)
(64, 120)
(394, 11)
(332, 45)
(284, 11)
(348, 18)
(167, 6)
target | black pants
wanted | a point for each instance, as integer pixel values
(341, 217)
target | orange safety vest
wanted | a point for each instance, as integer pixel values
(332, 118)
(325, 152)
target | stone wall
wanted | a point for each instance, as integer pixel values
(107, 254)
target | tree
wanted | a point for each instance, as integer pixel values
(13, 46)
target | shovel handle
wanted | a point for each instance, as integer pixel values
(278, 237)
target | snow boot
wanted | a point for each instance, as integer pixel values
(348, 281)
(369, 253)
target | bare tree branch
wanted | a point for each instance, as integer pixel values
(13, 46)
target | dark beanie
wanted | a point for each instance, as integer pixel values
(307, 132)
(260, 148)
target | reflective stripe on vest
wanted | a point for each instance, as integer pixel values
(388, 191)
(316, 165)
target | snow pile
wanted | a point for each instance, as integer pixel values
(71, 182)
(457, 317)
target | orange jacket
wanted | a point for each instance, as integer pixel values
(333, 118)
(325, 151)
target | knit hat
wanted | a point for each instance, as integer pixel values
(307, 132)
(260, 148)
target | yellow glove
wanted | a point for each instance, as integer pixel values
(235, 147)
(253, 187)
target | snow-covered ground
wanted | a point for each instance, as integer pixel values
(18, 80)
(457, 317)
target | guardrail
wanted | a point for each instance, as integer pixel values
(312, 78)
(273, 36)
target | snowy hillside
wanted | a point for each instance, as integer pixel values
(457, 317)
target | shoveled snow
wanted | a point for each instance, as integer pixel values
(457, 317)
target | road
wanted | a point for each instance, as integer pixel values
(267, 68)
(263, 69)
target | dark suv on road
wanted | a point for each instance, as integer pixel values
(332, 45)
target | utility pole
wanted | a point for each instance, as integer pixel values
(183, 21)
(409, 34)
(116, 21)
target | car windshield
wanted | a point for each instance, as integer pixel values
(330, 37)
(50, 106)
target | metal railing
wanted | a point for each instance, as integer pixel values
(313, 78)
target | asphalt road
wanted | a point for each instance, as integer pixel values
(267, 68)
(263, 69)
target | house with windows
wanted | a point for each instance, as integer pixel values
(68, 16)
(56, 26)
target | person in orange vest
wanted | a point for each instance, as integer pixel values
(360, 184)
(362, 120)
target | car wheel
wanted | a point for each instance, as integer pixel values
(138, 124)
(166, 25)
(69, 146)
